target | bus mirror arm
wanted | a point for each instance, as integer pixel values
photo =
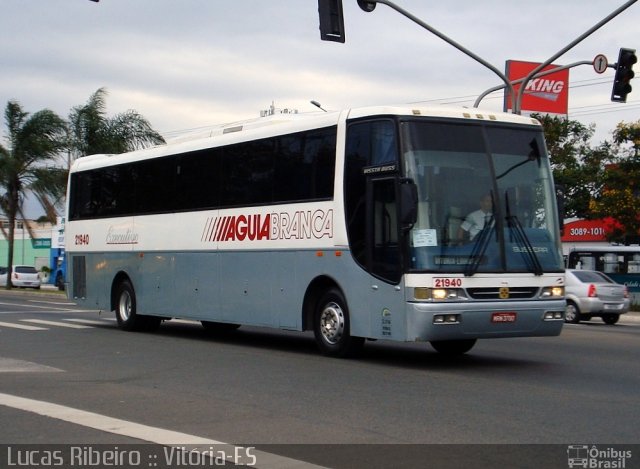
(408, 203)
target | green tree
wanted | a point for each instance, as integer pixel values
(34, 141)
(577, 166)
(91, 131)
(619, 200)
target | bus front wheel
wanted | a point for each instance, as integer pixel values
(126, 315)
(332, 326)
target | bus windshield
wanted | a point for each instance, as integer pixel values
(486, 198)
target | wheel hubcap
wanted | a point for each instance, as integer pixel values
(332, 323)
(124, 307)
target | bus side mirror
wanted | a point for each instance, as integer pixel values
(408, 203)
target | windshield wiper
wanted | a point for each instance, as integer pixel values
(479, 248)
(517, 231)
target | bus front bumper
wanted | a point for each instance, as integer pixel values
(459, 321)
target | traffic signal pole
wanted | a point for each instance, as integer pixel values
(517, 102)
(331, 18)
(368, 6)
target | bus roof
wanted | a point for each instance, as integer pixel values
(280, 124)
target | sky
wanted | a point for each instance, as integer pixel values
(190, 64)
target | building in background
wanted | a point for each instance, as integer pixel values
(33, 245)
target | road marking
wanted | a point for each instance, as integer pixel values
(67, 310)
(66, 303)
(55, 323)
(156, 435)
(11, 365)
(22, 326)
(95, 322)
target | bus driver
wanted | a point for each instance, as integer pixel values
(475, 221)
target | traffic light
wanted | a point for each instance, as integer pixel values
(331, 20)
(624, 74)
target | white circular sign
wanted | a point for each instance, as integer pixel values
(600, 63)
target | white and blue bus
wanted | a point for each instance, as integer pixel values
(345, 223)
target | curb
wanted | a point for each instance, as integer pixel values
(46, 291)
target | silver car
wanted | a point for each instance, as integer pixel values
(22, 276)
(591, 293)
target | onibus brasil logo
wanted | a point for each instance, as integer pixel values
(592, 457)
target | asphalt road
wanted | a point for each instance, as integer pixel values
(396, 404)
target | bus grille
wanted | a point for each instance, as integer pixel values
(493, 293)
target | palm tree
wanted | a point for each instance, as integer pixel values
(34, 141)
(91, 131)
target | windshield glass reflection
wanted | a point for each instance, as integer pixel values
(486, 199)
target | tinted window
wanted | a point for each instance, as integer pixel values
(587, 276)
(283, 169)
(369, 143)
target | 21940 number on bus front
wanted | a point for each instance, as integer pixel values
(447, 282)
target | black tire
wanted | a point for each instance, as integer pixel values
(453, 347)
(572, 313)
(610, 319)
(125, 308)
(332, 327)
(219, 327)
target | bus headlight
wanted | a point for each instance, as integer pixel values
(552, 292)
(438, 294)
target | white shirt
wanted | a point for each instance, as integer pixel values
(474, 222)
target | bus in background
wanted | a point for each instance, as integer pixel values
(351, 224)
(58, 257)
(621, 263)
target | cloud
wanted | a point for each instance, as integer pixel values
(192, 63)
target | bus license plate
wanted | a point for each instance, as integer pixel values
(504, 317)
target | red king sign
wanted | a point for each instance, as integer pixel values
(547, 94)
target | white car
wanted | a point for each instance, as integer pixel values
(22, 276)
(591, 293)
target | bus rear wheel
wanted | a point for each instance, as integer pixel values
(453, 347)
(126, 315)
(332, 328)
